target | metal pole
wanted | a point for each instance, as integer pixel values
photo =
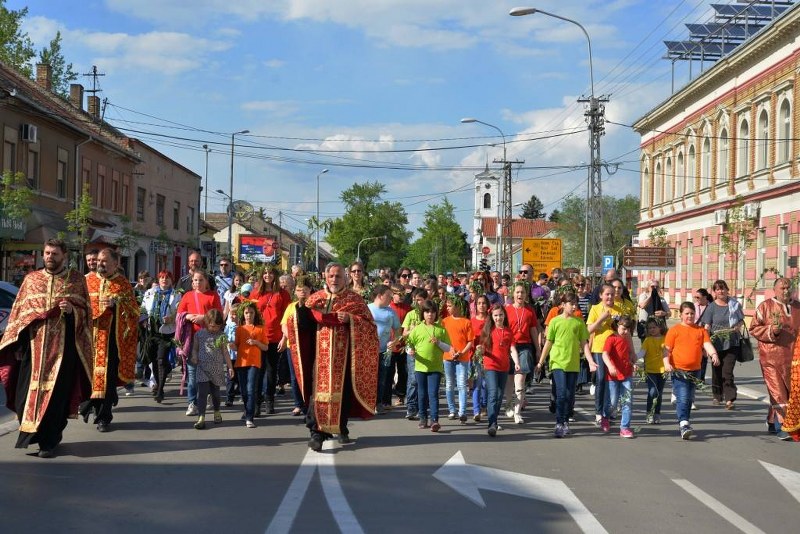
(205, 189)
(316, 261)
(230, 194)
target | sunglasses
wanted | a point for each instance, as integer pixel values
(224, 264)
(579, 285)
(404, 276)
(356, 271)
(524, 272)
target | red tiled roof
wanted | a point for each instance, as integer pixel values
(519, 227)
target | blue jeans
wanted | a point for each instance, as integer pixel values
(455, 376)
(412, 402)
(565, 382)
(191, 382)
(683, 385)
(495, 385)
(600, 385)
(655, 389)
(428, 394)
(620, 391)
(248, 381)
(478, 391)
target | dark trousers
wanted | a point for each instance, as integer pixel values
(268, 373)
(203, 389)
(400, 367)
(347, 402)
(160, 346)
(722, 383)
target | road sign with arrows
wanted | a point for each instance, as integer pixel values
(543, 255)
(649, 258)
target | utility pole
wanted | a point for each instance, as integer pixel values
(506, 245)
(595, 118)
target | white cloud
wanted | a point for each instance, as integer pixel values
(274, 63)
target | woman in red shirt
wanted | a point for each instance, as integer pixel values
(498, 352)
(478, 386)
(526, 332)
(195, 304)
(272, 302)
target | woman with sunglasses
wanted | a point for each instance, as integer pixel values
(358, 282)
(726, 321)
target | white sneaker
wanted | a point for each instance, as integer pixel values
(509, 412)
(192, 410)
(592, 389)
(518, 419)
(673, 399)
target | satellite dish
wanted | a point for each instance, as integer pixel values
(241, 210)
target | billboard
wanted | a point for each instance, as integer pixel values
(258, 248)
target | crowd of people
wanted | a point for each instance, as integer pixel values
(345, 345)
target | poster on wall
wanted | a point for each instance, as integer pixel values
(257, 248)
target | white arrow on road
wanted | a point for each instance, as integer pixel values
(788, 479)
(342, 513)
(468, 479)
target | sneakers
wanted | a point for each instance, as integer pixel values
(380, 410)
(783, 435)
(565, 426)
(605, 425)
(597, 419)
(626, 433)
(686, 432)
(129, 390)
(694, 406)
(191, 410)
(492, 431)
(435, 426)
(651, 420)
(451, 416)
(657, 420)
(673, 399)
(423, 424)
(217, 417)
(518, 419)
(592, 389)
(509, 412)
(476, 418)
(249, 423)
(412, 416)
(463, 418)
(200, 424)
(771, 428)
(559, 431)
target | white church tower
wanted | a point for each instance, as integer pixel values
(487, 206)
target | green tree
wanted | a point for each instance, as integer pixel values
(16, 48)
(620, 216)
(129, 237)
(657, 238)
(367, 215)
(738, 237)
(78, 220)
(62, 73)
(554, 215)
(15, 196)
(441, 246)
(533, 209)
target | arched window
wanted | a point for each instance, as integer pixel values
(658, 184)
(762, 143)
(645, 186)
(668, 181)
(705, 164)
(722, 157)
(487, 201)
(680, 176)
(690, 170)
(784, 132)
(743, 160)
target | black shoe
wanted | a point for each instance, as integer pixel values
(315, 443)
(280, 391)
(159, 398)
(102, 427)
(492, 430)
(46, 453)
(228, 403)
(771, 428)
(344, 439)
(271, 407)
(552, 407)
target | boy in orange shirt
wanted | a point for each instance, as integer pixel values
(457, 361)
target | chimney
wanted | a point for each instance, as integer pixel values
(76, 95)
(94, 106)
(44, 76)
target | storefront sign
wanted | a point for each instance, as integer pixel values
(12, 228)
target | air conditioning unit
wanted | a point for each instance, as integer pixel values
(750, 211)
(720, 216)
(28, 133)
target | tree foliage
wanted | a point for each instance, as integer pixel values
(658, 237)
(79, 219)
(62, 73)
(554, 215)
(16, 197)
(442, 246)
(620, 216)
(367, 215)
(738, 237)
(16, 48)
(533, 209)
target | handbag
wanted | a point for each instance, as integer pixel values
(745, 348)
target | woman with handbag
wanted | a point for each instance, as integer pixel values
(725, 323)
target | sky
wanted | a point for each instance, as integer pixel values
(374, 90)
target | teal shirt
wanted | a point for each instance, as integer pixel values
(566, 335)
(428, 357)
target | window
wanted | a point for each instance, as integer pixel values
(100, 190)
(722, 158)
(487, 201)
(678, 266)
(126, 180)
(704, 268)
(176, 216)
(783, 249)
(160, 201)
(689, 264)
(140, 198)
(680, 176)
(761, 253)
(115, 191)
(690, 170)
(645, 189)
(657, 181)
(720, 259)
(784, 132)
(743, 163)
(705, 164)
(190, 220)
(9, 156)
(33, 169)
(62, 173)
(668, 181)
(762, 143)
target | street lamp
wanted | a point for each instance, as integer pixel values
(316, 255)
(594, 184)
(230, 218)
(500, 190)
(230, 196)
(205, 210)
(358, 249)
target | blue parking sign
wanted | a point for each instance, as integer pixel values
(608, 263)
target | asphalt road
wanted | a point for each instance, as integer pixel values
(155, 473)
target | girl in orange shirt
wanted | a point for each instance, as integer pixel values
(251, 339)
(457, 361)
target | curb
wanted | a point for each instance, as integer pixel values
(8, 421)
(752, 394)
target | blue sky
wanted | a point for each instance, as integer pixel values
(372, 90)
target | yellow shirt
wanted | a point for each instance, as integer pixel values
(602, 332)
(653, 348)
(290, 310)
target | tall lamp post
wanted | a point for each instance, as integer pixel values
(205, 189)
(316, 248)
(501, 187)
(596, 119)
(230, 196)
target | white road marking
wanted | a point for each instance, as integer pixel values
(468, 479)
(335, 496)
(786, 477)
(287, 511)
(718, 508)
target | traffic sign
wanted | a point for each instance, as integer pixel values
(486, 251)
(608, 263)
(543, 255)
(649, 258)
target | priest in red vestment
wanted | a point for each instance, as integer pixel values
(46, 351)
(342, 367)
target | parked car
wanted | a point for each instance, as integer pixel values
(8, 292)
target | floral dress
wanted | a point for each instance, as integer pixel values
(210, 358)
